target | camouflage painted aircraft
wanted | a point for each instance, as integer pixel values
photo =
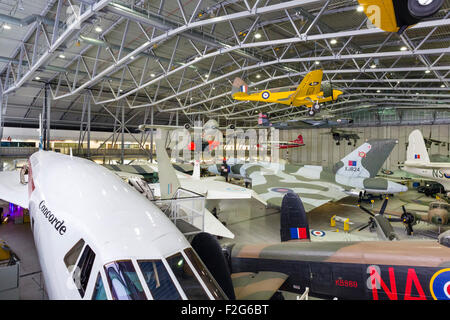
(367, 270)
(308, 93)
(435, 212)
(317, 185)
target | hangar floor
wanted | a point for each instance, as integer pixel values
(250, 222)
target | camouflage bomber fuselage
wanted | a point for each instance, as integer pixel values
(410, 270)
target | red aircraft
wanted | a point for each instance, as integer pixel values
(298, 142)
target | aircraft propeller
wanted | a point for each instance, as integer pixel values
(380, 223)
(408, 220)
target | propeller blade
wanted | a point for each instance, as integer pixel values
(367, 211)
(362, 228)
(404, 210)
(383, 207)
(395, 219)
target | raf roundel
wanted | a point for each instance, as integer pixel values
(281, 190)
(440, 285)
(265, 95)
(318, 233)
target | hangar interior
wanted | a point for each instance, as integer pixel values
(361, 108)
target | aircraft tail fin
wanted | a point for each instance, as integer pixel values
(416, 151)
(168, 179)
(299, 139)
(293, 221)
(239, 86)
(366, 160)
(196, 171)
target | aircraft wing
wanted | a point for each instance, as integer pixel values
(214, 189)
(310, 85)
(272, 186)
(428, 165)
(257, 286)
(12, 190)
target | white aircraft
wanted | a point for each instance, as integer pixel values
(98, 238)
(418, 162)
(212, 188)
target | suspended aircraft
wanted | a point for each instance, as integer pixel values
(340, 135)
(309, 93)
(398, 15)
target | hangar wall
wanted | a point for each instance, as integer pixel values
(321, 149)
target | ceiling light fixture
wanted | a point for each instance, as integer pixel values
(360, 9)
(98, 29)
(333, 41)
(257, 35)
(403, 48)
(6, 27)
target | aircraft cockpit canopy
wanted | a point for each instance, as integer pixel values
(180, 276)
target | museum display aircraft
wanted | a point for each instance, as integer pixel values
(98, 238)
(431, 211)
(340, 135)
(369, 270)
(418, 162)
(297, 142)
(316, 185)
(309, 93)
(398, 15)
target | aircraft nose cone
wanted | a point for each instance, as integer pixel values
(396, 187)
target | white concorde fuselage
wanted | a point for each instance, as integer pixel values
(71, 199)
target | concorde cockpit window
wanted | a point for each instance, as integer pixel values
(158, 280)
(84, 269)
(207, 278)
(99, 289)
(71, 257)
(187, 279)
(123, 281)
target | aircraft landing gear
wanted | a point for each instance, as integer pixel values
(316, 106)
(311, 112)
(424, 8)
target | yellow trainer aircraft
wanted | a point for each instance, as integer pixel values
(308, 93)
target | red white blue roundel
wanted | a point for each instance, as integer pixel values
(440, 285)
(265, 95)
(281, 190)
(318, 233)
